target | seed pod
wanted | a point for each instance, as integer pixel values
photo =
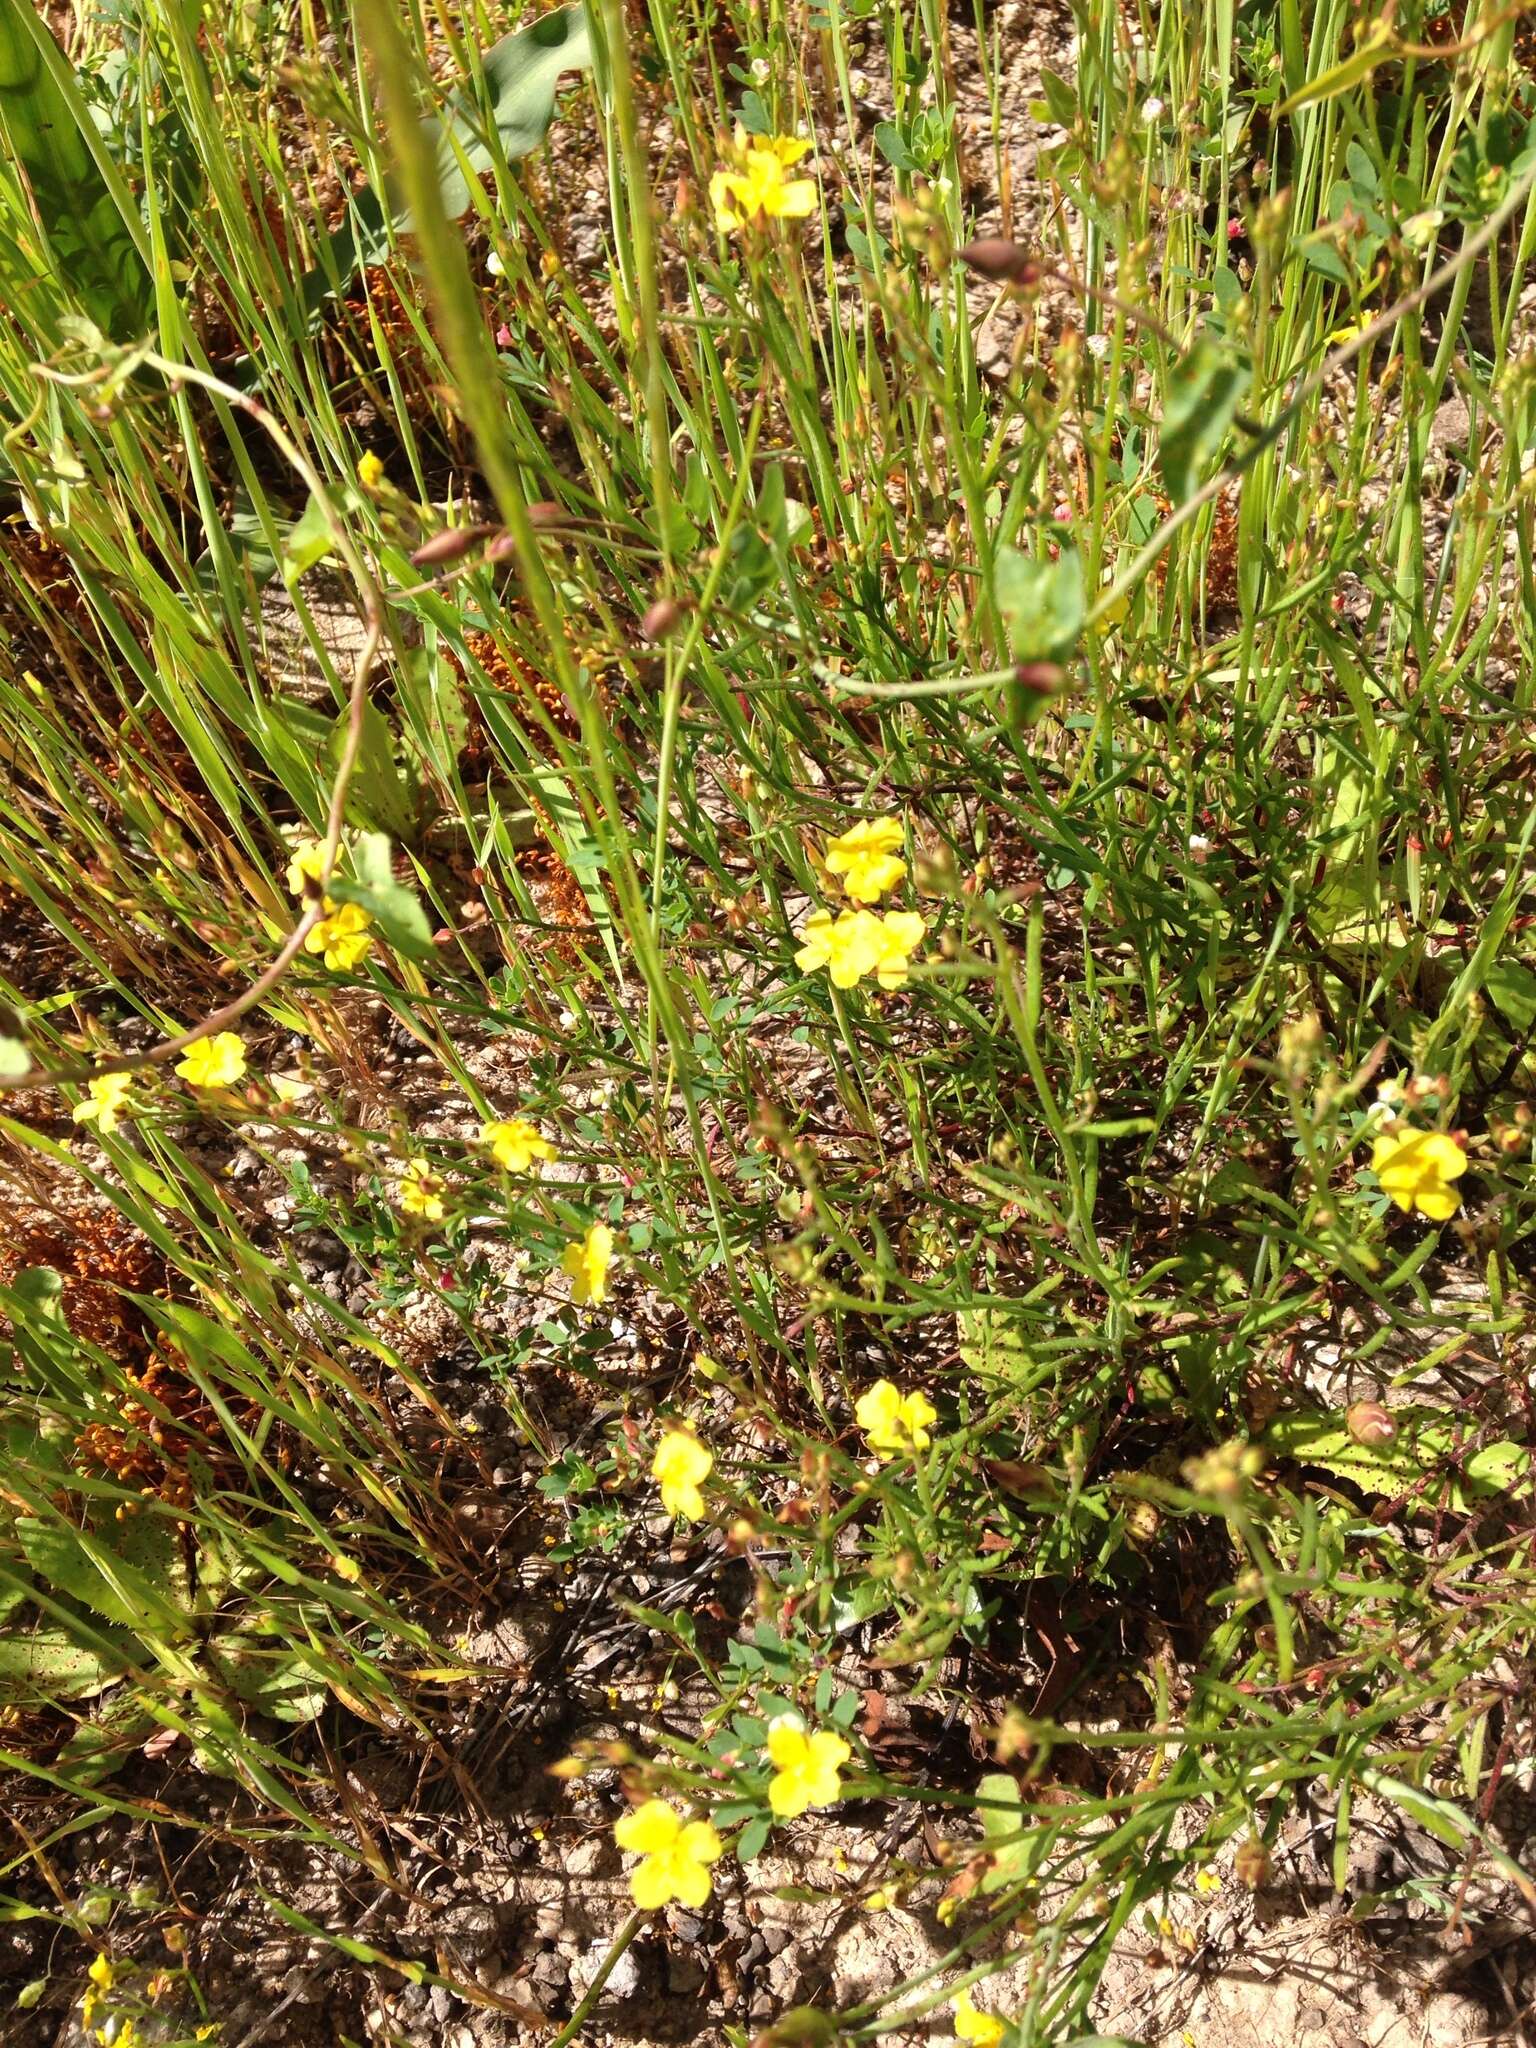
(997, 259)
(1369, 1425)
(449, 545)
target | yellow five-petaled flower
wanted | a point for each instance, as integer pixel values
(680, 1467)
(805, 1766)
(981, 2029)
(759, 189)
(867, 858)
(104, 1101)
(895, 1423)
(216, 1062)
(515, 1143)
(676, 1854)
(343, 937)
(421, 1191)
(858, 942)
(1416, 1169)
(587, 1262)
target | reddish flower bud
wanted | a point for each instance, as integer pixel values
(449, 545)
(1369, 1425)
(1000, 261)
(661, 618)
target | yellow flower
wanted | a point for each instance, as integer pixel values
(680, 1467)
(867, 859)
(807, 1767)
(588, 1263)
(216, 1062)
(370, 472)
(104, 1101)
(894, 1422)
(759, 190)
(676, 1855)
(516, 1144)
(305, 864)
(982, 2029)
(102, 1973)
(1416, 1168)
(343, 938)
(858, 942)
(421, 1191)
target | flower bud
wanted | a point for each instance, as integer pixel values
(1369, 1425)
(449, 545)
(662, 618)
(999, 261)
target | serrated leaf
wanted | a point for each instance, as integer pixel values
(1204, 392)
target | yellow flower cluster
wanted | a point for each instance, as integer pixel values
(860, 942)
(343, 937)
(676, 1853)
(758, 188)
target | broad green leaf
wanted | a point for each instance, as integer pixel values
(1041, 601)
(394, 908)
(95, 254)
(72, 1561)
(49, 1666)
(1204, 392)
(1420, 1459)
(377, 795)
(522, 74)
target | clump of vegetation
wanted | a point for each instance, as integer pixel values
(847, 823)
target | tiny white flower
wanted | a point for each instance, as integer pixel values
(762, 70)
(1098, 345)
(1152, 110)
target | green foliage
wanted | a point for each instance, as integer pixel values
(1214, 815)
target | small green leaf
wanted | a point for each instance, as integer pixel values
(394, 908)
(377, 795)
(15, 1060)
(308, 542)
(1041, 601)
(753, 1838)
(1204, 392)
(892, 145)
